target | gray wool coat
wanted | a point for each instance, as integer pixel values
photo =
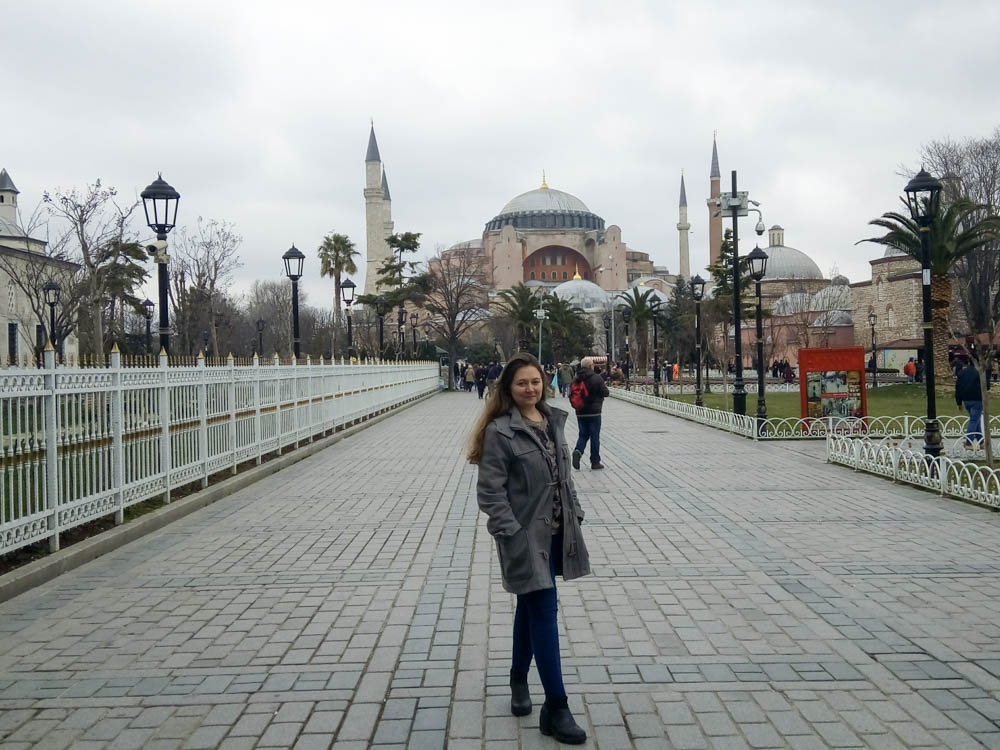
(515, 491)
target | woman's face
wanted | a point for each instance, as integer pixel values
(526, 387)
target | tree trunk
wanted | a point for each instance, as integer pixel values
(940, 304)
(984, 378)
(97, 321)
(642, 349)
(452, 348)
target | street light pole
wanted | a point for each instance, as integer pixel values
(414, 317)
(260, 336)
(148, 312)
(872, 319)
(698, 292)
(347, 293)
(655, 308)
(739, 390)
(757, 260)
(380, 311)
(160, 201)
(52, 291)
(294, 260)
(540, 315)
(923, 194)
(626, 316)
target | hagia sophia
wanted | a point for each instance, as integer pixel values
(551, 240)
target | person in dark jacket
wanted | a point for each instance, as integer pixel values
(525, 487)
(588, 419)
(481, 380)
(969, 393)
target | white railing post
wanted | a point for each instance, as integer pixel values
(258, 435)
(117, 429)
(166, 457)
(51, 448)
(202, 418)
(231, 364)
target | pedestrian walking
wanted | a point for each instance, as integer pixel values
(969, 393)
(470, 377)
(526, 489)
(910, 370)
(586, 396)
(565, 378)
(492, 373)
(481, 380)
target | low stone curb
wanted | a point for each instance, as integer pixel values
(41, 571)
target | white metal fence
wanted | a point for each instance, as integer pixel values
(79, 443)
(795, 428)
(948, 476)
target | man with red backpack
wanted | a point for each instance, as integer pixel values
(586, 396)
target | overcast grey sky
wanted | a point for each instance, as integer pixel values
(258, 112)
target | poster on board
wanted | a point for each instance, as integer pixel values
(832, 383)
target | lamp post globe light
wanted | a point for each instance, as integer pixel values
(698, 293)
(147, 311)
(294, 259)
(923, 196)
(52, 291)
(626, 317)
(872, 320)
(160, 201)
(380, 310)
(347, 288)
(758, 267)
(260, 324)
(427, 330)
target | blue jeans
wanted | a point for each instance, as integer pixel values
(972, 432)
(536, 633)
(589, 429)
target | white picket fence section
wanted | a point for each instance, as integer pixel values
(795, 428)
(79, 443)
(948, 476)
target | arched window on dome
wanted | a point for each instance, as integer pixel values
(532, 276)
(890, 317)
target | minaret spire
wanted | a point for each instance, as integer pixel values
(714, 174)
(684, 198)
(385, 185)
(714, 217)
(683, 250)
(372, 154)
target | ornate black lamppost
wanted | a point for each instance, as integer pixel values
(872, 320)
(380, 310)
(698, 292)
(626, 317)
(758, 267)
(294, 259)
(159, 201)
(923, 195)
(260, 324)
(148, 313)
(427, 330)
(606, 319)
(400, 332)
(414, 318)
(654, 307)
(52, 291)
(204, 343)
(347, 288)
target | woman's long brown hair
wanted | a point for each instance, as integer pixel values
(500, 401)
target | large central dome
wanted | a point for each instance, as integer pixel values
(544, 199)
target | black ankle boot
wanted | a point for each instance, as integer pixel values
(520, 697)
(555, 720)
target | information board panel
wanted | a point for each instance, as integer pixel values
(832, 383)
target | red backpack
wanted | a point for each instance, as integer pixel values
(578, 394)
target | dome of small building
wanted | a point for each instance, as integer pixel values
(582, 294)
(785, 262)
(474, 244)
(833, 318)
(833, 297)
(893, 252)
(840, 280)
(544, 199)
(792, 304)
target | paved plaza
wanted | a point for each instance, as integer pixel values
(744, 596)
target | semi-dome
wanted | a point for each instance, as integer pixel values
(893, 252)
(791, 304)
(582, 294)
(474, 244)
(833, 297)
(544, 199)
(788, 263)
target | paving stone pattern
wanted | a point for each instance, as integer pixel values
(745, 596)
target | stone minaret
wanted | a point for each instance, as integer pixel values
(8, 197)
(387, 224)
(714, 222)
(682, 228)
(376, 217)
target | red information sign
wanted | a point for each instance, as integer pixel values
(832, 383)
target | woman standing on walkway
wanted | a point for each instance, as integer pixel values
(526, 488)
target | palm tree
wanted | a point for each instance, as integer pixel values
(955, 232)
(336, 256)
(638, 301)
(518, 304)
(564, 324)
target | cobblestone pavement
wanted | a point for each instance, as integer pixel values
(744, 596)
